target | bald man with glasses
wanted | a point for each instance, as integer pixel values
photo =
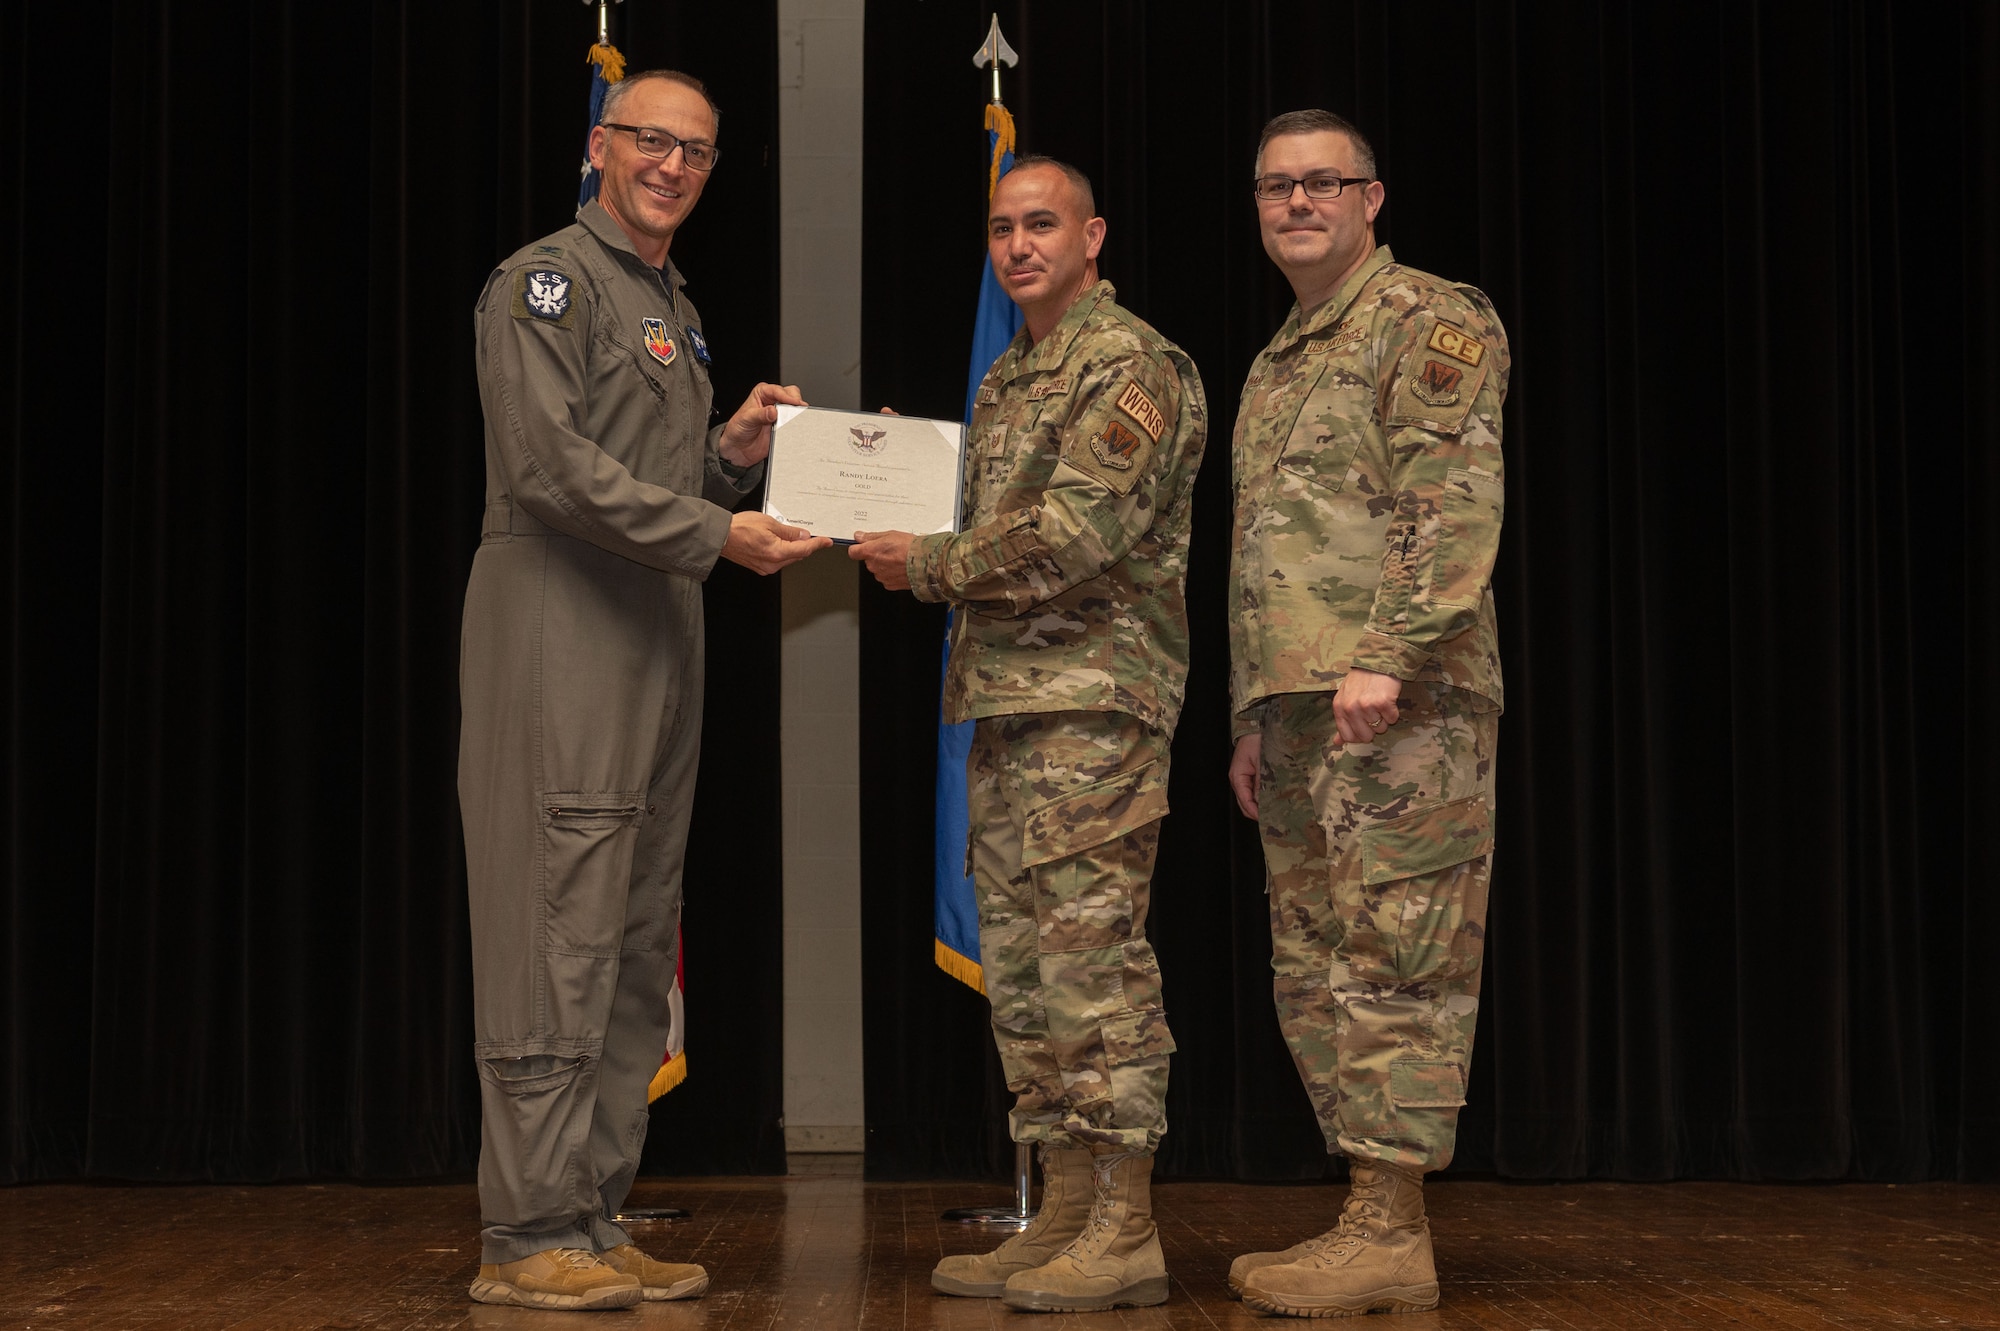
(1365, 679)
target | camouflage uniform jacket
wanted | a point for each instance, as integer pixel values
(1069, 571)
(1368, 491)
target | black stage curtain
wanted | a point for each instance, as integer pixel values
(244, 491)
(1748, 256)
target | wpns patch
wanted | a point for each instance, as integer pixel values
(1115, 446)
(1134, 403)
(658, 344)
(1437, 386)
(545, 293)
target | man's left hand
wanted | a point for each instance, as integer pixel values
(887, 554)
(746, 436)
(1365, 705)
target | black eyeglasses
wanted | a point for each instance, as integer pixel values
(1277, 189)
(658, 143)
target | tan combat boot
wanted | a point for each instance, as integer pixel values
(572, 1278)
(1115, 1262)
(657, 1280)
(1240, 1269)
(1065, 1207)
(1378, 1260)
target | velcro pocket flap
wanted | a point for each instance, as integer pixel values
(1094, 814)
(1426, 841)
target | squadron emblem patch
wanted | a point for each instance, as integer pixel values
(1134, 403)
(1456, 345)
(658, 343)
(1438, 384)
(546, 294)
(1115, 446)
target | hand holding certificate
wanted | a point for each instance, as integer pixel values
(839, 472)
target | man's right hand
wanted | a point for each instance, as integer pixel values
(762, 544)
(1245, 771)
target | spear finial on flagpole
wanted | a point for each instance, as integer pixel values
(994, 51)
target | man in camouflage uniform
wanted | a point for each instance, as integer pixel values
(1366, 686)
(1069, 650)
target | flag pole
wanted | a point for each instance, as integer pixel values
(630, 1215)
(994, 52)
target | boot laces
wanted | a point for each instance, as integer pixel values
(576, 1259)
(1100, 1224)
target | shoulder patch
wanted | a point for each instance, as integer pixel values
(1134, 403)
(544, 294)
(1115, 446)
(1456, 344)
(1437, 385)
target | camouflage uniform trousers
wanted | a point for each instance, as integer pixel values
(1377, 859)
(1065, 812)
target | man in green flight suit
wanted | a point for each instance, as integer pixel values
(1069, 650)
(1365, 681)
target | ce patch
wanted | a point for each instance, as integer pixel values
(545, 295)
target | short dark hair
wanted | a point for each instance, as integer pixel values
(1070, 173)
(1320, 122)
(615, 94)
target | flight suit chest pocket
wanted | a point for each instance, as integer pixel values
(1326, 431)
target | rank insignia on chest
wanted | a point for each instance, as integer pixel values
(1115, 446)
(698, 344)
(658, 343)
(545, 294)
(1438, 384)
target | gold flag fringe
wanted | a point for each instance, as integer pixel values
(997, 118)
(607, 59)
(961, 968)
(671, 1074)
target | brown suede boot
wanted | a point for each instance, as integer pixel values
(657, 1280)
(1115, 1262)
(1379, 1259)
(1065, 1207)
(1240, 1269)
(573, 1278)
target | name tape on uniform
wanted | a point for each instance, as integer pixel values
(1049, 388)
(1457, 345)
(1134, 403)
(1346, 337)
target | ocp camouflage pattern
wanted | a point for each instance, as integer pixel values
(1378, 859)
(1368, 491)
(1070, 568)
(1065, 811)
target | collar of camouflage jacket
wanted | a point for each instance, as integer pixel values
(612, 236)
(1051, 351)
(1304, 323)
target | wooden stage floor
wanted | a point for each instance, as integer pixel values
(821, 1248)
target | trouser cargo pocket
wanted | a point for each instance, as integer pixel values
(1414, 892)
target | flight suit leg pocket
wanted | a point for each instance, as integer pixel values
(588, 840)
(535, 1117)
(1415, 890)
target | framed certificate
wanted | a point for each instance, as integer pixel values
(839, 472)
